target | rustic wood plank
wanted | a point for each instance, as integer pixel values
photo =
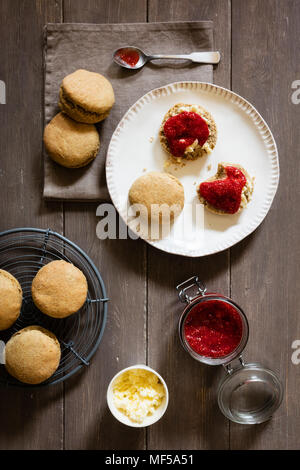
(265, 52)
(193, 417)
(29, 419)
(21, 118)
(123, 266)
(218, 11)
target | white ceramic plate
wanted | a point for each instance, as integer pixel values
(243, 137)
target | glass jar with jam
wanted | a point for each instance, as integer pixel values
(214, 330)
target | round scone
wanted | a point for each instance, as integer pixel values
(10, 299)
(154, 190)
(59, 289)
(229, 191)
(188, 132)
(70, 143)
(86, 96)
(32, 355)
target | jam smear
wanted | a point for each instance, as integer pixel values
(129, 56)
(225, 194)
(213, 328)
(183, 129)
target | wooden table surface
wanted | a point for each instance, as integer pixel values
(260, 43)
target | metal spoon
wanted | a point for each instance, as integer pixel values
(139, 58)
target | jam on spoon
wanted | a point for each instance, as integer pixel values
(128, 55)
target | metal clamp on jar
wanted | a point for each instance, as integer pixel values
(214, 330)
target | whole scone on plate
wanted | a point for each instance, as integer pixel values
(86, 96)
(155, 189)
(187, 132)
(32, 355)
(70, 143)
(10, 299)
(229, 191)
(59, 289)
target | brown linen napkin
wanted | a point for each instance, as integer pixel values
(72, 46)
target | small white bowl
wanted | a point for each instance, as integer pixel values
(158, 413)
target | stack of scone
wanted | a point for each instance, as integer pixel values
(71, 138)
(59, 290)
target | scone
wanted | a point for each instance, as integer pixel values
(70, 143)
(187, 132)
(229, 191)
(59, 289)
(155, 189)
(32, 355)
(10, 299)
(86, 96)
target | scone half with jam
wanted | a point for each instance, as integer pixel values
(228, 191)
(187, 132)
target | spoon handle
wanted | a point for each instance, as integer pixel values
(200, 57)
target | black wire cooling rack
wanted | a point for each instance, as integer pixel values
(23, 251)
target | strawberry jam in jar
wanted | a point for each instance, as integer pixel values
(214, 330)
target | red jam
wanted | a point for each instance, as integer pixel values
(213, 328)
(183, 129)
(129, 56)
(225, 194)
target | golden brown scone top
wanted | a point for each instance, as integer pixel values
(157, 188)
(10, 299)
(59, 289)
(90, 90)
(32, 355)
(70, 143)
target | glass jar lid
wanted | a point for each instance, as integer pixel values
(249, 394)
